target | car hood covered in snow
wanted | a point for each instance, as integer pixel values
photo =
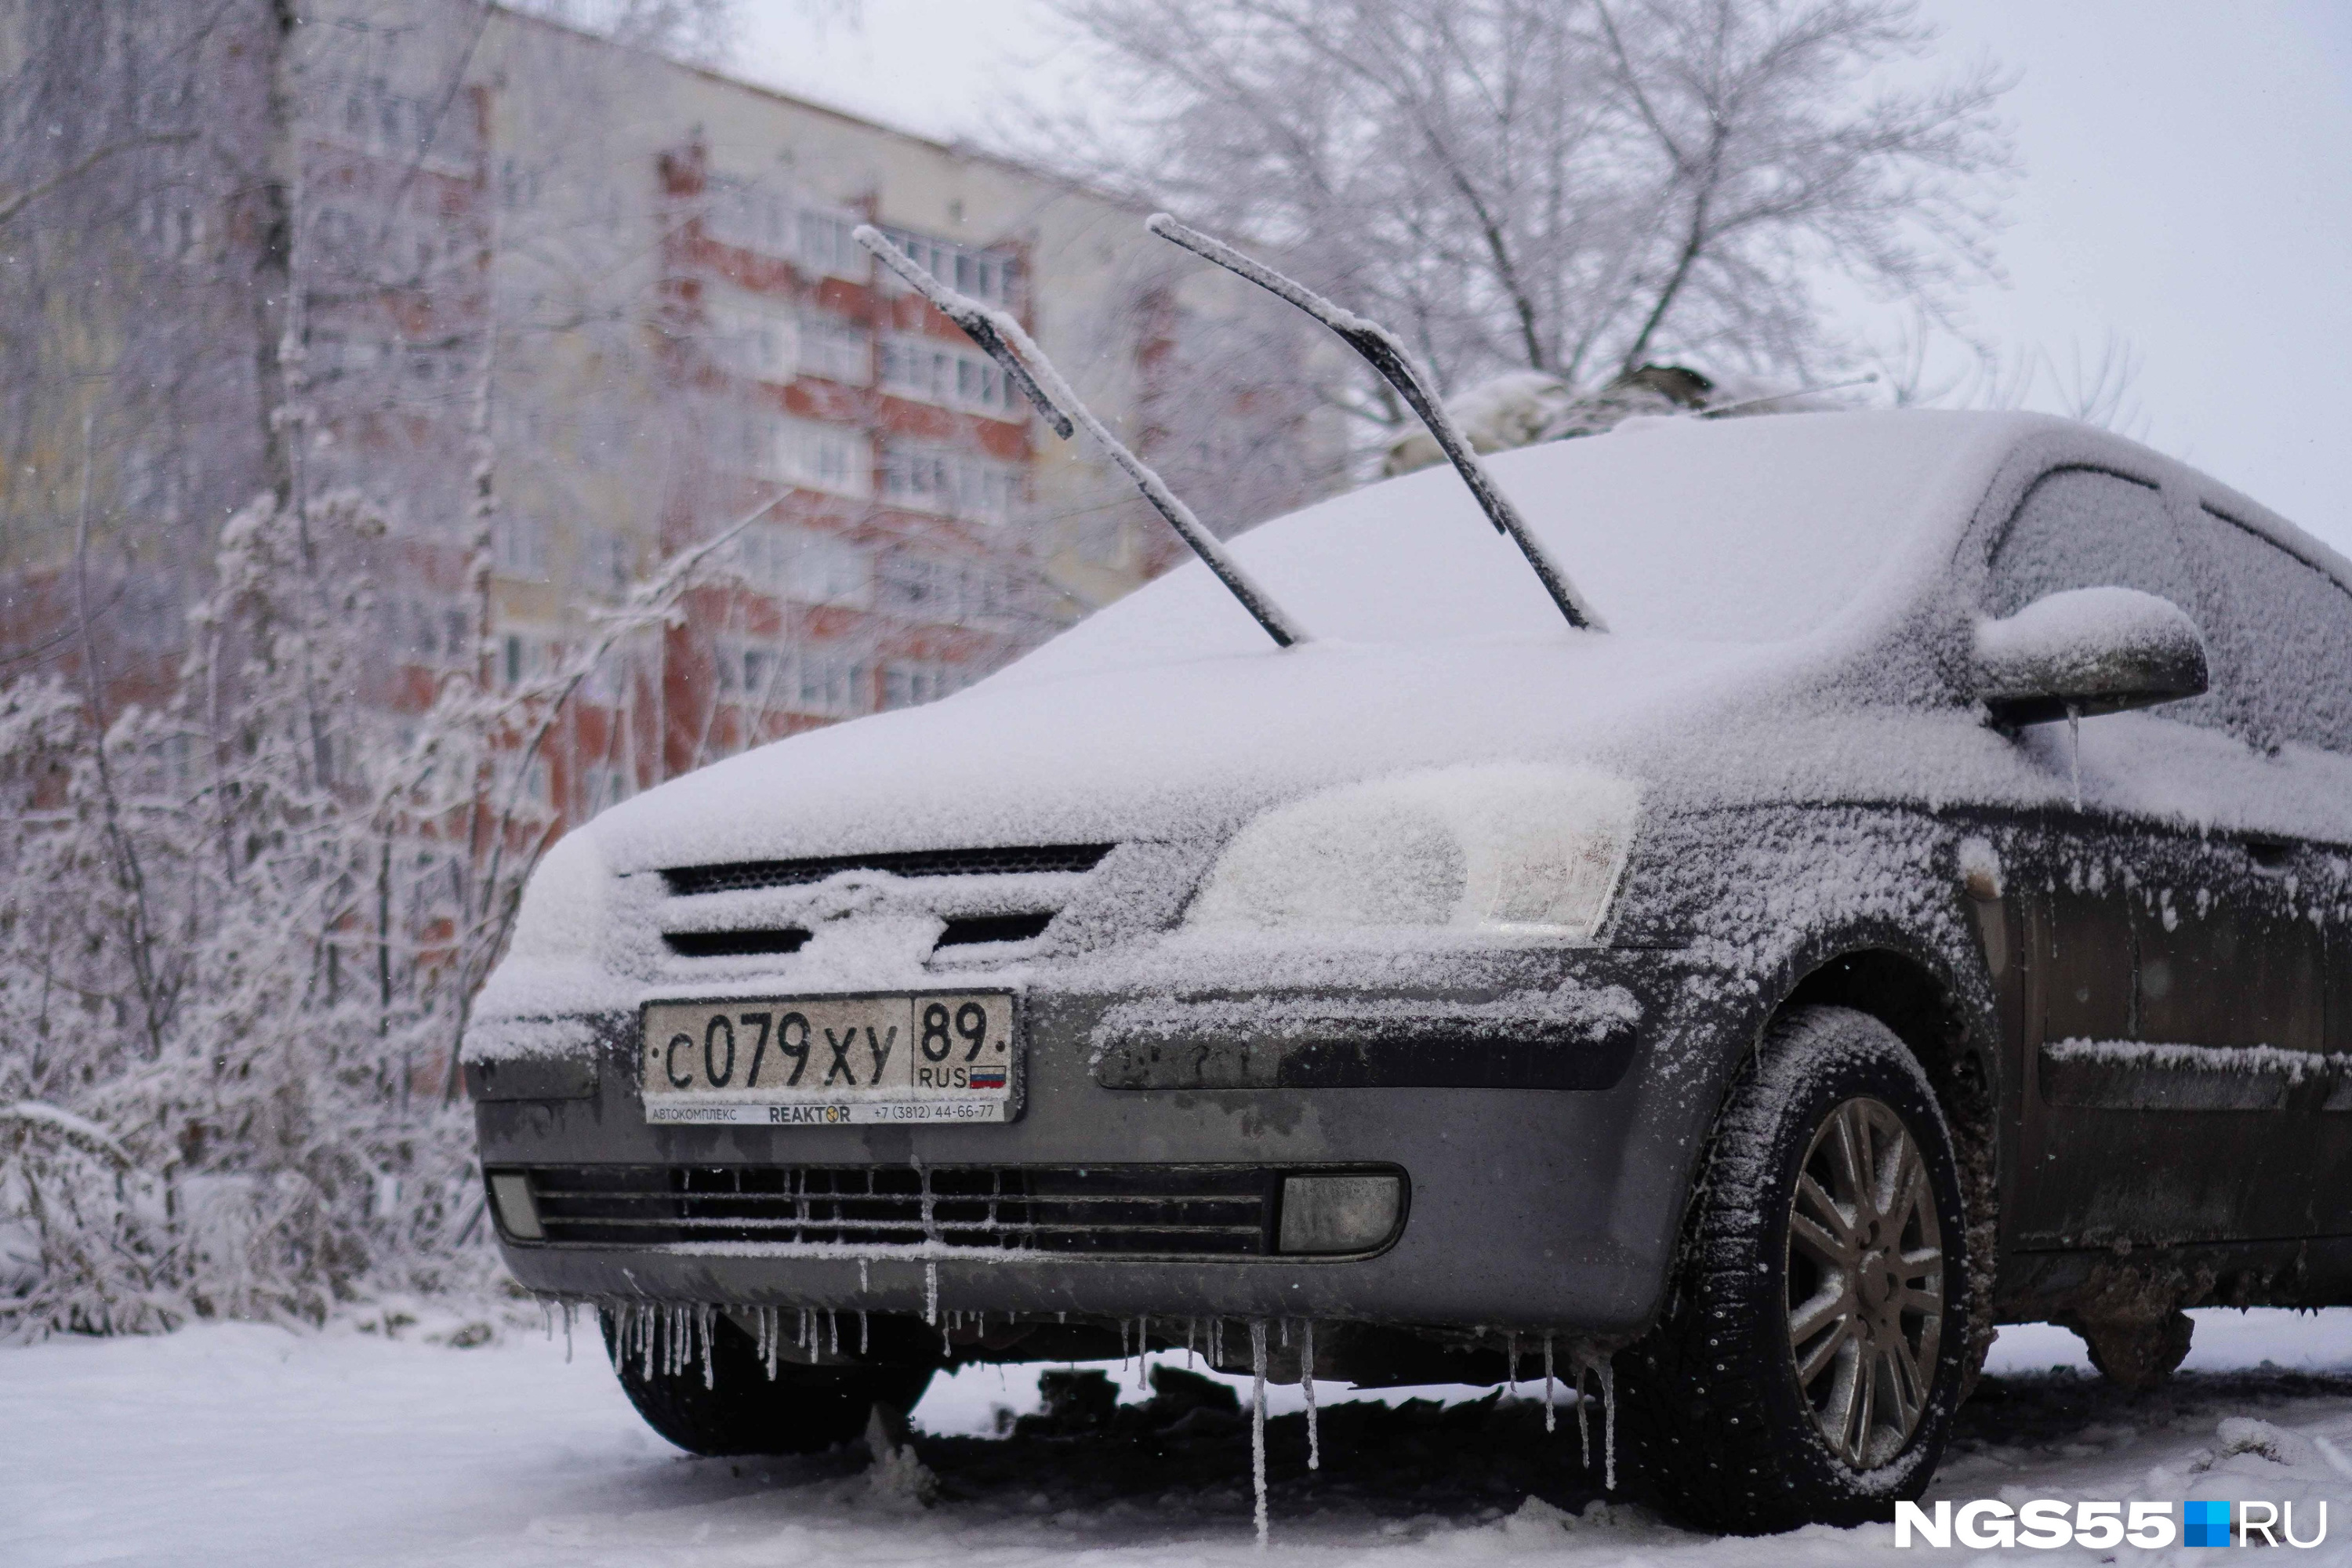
(1740, 566)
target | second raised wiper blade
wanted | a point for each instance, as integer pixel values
(1381, 349)
(1034, 375)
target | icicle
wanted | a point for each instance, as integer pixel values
(1512, 1342)
(1216, 1342)
(1286, 1334)
(861, 1330)
(1608, 1376)
(1584, 1426)
(710, 1316)
(1123, 1355)
(1142, 1352)
(1584, 1357)
(1307, 1383)
(832, 1328)
(1257, 1423)
(547, 1318)
(1192, 1334)
(932, 1291)
(2074, 749)
(570, 1309)
(648, 1335)
(865, 1280)
(1551, 1417)
(775, 1319)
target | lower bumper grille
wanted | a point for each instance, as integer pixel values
(1134, 1211)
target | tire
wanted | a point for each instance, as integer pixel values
(1727, 1427)
(806, 1409)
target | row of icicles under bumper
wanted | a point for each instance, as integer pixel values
(673, 1336)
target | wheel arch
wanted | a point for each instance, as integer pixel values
(1956, 1038)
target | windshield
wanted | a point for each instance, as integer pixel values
(1743, 531)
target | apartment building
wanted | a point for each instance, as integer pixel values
(598, 306)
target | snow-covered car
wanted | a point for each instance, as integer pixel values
(1926, 906)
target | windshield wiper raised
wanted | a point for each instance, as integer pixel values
(999, 334)
(1381, 349)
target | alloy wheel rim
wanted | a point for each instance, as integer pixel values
(1865, 1282)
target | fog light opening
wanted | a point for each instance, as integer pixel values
(1338, 1213)
(517, 1213)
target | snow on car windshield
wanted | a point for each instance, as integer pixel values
(1755, 529)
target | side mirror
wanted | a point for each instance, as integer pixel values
(2086, 651)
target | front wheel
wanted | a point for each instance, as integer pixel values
(1810, 1353)
(733, 1406)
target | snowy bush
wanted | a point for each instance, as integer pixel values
(239, 932)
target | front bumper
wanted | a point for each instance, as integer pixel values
(1547, 1208)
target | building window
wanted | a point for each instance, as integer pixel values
(608, 561)
(752, 215)
(748, 215)
(796, 452)
(833, 684)
(602, 784)
(757, 339)
(524, 656)
(519, 543)
(835, 349)
(982, 274)
(946, 589)
(754, 341)
(435, 132)
(906, 685)
(804, 564)
(823, 457)
(951, 482)
(826, 248)
(825, 682)
(935, 372)
(418, 631)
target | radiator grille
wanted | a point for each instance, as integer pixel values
(687, 882)
(1134, 1211)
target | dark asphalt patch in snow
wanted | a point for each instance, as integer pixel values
(1186, 1452)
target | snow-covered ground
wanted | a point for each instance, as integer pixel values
(254, 1446)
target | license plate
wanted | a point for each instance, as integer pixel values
(819, 1061)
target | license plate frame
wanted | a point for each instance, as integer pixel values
(834, 1060)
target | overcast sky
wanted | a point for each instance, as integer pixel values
(2188, 186)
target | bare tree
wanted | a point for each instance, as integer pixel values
(264, 291)
(1572, 187)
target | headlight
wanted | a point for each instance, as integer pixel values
(1534, 850)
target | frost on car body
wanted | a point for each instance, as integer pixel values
(1524, 921)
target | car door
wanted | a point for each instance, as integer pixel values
(2253, 984)
(2161, 970)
